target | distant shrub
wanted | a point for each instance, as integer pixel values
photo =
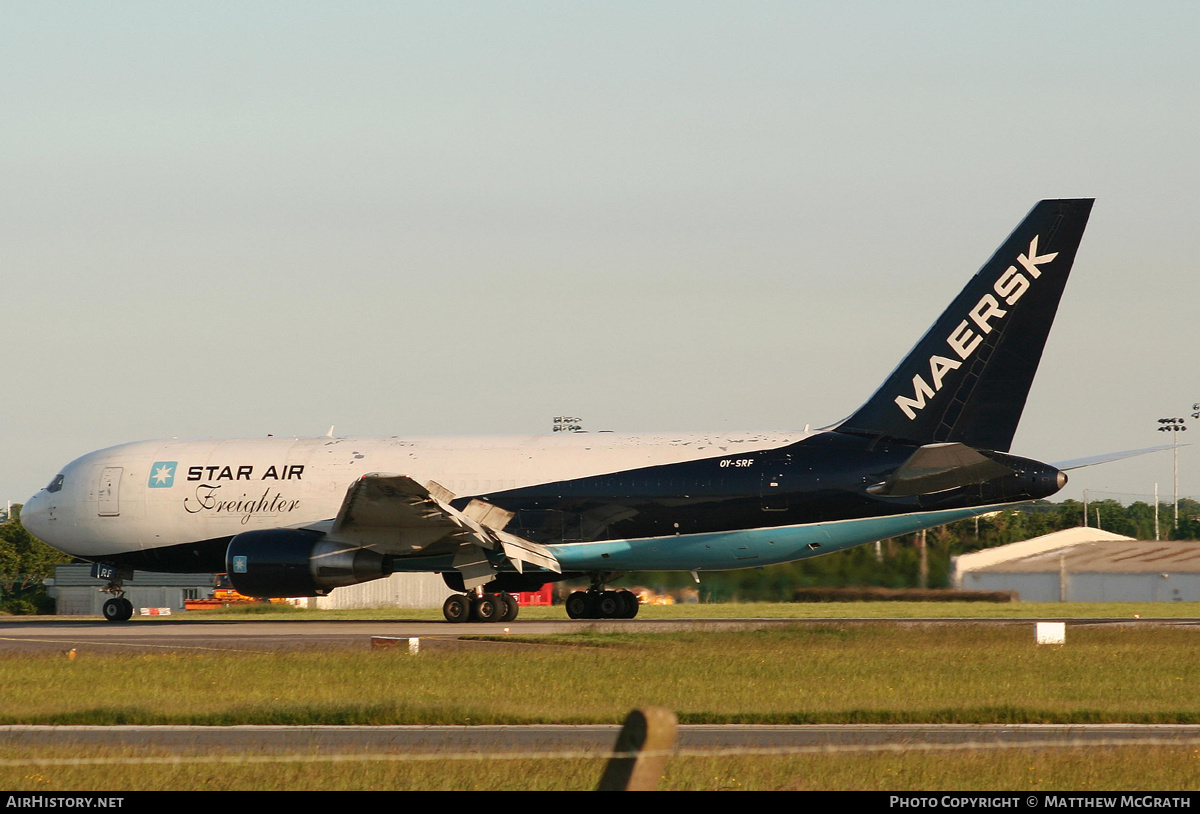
(19, 607)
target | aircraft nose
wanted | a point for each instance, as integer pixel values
(33, 515)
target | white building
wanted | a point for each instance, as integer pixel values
(77, 593)
(1085, 565)
(397, 591)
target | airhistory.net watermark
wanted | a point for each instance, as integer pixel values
(60, 801)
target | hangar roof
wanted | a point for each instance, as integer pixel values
(1084, 550)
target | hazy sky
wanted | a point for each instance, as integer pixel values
(239, 218)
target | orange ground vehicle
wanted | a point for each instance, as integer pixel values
(223, 595)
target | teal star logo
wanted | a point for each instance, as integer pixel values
(162, 474)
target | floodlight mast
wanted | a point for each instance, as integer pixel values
(564, 423)
(1176, 426)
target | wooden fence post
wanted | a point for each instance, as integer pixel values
(646, 739)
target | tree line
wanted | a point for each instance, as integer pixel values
(25, 563)
(898, 563)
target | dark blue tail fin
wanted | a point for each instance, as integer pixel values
(968, 377)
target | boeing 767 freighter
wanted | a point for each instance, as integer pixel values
(303, 516)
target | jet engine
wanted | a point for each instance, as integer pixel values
(294, 562)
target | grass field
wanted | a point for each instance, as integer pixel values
(768, 610)
(1024, 770)
(876, 673)
(853, 673)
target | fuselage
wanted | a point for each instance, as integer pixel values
(601, 501)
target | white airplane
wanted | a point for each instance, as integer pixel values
(303, 516)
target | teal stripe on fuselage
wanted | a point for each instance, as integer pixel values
(722, 551)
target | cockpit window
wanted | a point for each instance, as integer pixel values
(55, 484)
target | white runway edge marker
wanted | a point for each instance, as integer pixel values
(1051, 632)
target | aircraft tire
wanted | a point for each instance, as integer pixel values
(579, 605)
(629, 604)
(456, 608)
(118, 609)
(610, 606)
(511, 608)
(486, 608)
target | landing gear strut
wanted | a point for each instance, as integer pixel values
(482, 607)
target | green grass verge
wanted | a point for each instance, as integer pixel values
(854, 673)
(762, 610)
(874, 673)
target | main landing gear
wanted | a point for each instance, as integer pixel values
(595, 604)
(482, 607)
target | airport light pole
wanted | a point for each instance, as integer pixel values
(1156, 510)
(564, 423)
(1175, 426)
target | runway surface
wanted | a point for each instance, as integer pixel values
(50, 634)
(597, 739)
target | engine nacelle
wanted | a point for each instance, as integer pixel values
(293, 562)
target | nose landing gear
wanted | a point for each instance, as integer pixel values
(118, 609)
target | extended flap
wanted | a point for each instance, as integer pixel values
(397, 515)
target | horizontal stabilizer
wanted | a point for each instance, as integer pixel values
(1079, 463)
(938, 467)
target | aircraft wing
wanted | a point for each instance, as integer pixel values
(1078, 463)
(396, 515)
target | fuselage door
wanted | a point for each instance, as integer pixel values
(107, 503)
